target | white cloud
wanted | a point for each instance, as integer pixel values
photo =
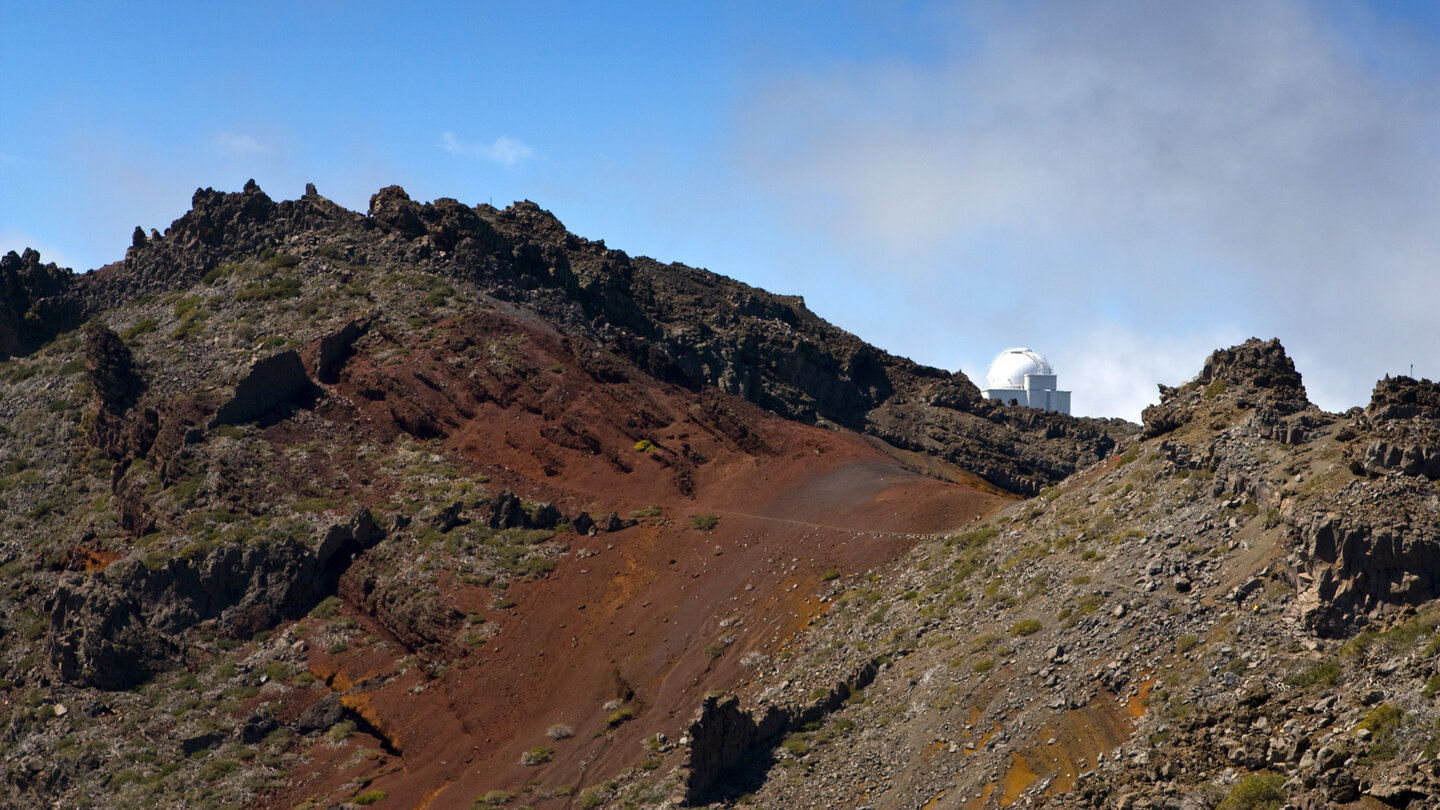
(1234, 162)
(504, 150)
(236, 145)
(1114, 370)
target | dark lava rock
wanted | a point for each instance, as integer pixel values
(201, 742)
(1397, 398)
(99, 637)
(393, 208)
(506, 512)
(1256, 373)
(449, 517)
(584, 524)
(546, 516)
(613, 523)
(112, 630)
(112, 368)
(322, 714)
(257, 727)
(37, 302)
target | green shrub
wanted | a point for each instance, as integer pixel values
(144, 326)
(1382, 721)
(539, 755)
(217, 768)
(185, 306)
(1432, 686)
(370, 797)
(270, 291)
(644, 445)
(1325, 673)
(328, 608)
(1026, 627)
(622, 715)
(704, 521)
(1260, 791)
(798, 745)
(596, 795)
(341, 731)
(830, 574)
(495, 798)
(124, 777)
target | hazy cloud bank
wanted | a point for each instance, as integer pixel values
(1234, 163)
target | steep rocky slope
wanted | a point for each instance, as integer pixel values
(304, 506)
(1237, 611)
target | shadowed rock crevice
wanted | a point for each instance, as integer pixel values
(272, 382)
(732, 750)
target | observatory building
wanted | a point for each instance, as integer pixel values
(1023, 377)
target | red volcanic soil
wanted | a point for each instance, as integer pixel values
(653, 616)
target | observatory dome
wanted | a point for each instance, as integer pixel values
(1009, 368)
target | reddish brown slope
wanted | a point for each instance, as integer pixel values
(655, 615)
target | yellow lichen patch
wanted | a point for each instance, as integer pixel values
(1019, 777)
(1138, 702)
(1081, 736)
(979, 801)
(934, 802)
(360, 704)
(984, 738)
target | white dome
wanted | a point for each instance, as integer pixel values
(1009, 368)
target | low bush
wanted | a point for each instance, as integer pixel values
(1026, 627)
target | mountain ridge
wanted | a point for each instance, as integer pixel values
(682, 325)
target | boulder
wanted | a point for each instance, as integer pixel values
(99, 637)
(322, 714)
(392, 208)
(506, 512)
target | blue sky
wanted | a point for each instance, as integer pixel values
(1123, 186)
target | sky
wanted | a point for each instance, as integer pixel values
(1121, 185)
